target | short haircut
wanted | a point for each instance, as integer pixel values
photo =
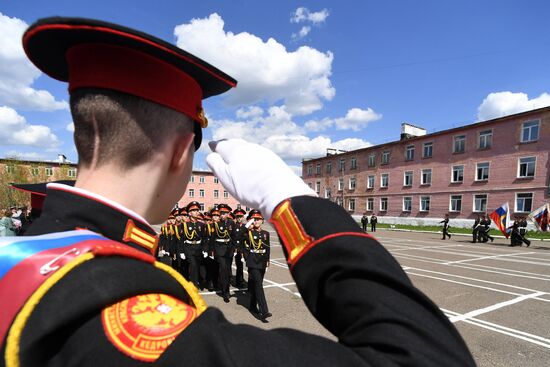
(119, 128)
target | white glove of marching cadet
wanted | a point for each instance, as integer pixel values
(254, 175)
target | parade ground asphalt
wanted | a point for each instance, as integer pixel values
(497, 296)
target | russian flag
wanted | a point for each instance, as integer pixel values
(501, 218)
(541, 217)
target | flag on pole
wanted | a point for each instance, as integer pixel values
(541, 217)
(501, 218)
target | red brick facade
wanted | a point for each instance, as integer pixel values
(205, 188)
(509, 146)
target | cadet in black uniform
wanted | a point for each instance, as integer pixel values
(223, 247)
(446, 227)
(164, 242)
(373, 222)
(364, 221)
(97, 297)
(239, 230)
(256, 242)
(485, 229)
(193, 234)
(475, 229)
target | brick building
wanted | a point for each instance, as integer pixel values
(208, 191)
(462, 171)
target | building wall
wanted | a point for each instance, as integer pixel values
(502, 185)
(205, 180)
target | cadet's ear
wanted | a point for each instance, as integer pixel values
(183, 151)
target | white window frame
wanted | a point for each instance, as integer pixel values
(318, 187)
(353, 163)
(405, 178)
(410, 203)
(342, 165)
(409, 148)
(382, 176)
(474, 203)
(327, 193)
(455, 139)
(428, 144)
(488, 172)
(372, 160)
(488, 139)
(201, 193)
(453, 173)
(329, 167)
(340, 184)
(71, 172)
(370, 204)
(216, 180)
(225, 194)
(201, 179)
(385, 157)
(192, 178)
(382, 200)
(530, 128)
(422, 181)
(10, 168)
(48, 171)
(202, 206)
(35, 170)
(534, 167)
(216, 194)
(351, 207)
(191, 193)
(352, 183)
(371, 179)
(451, 203)
(310, 170)
(516, 208)
(422, 201)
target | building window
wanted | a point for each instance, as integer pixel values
(383, 204)
(351, 205)
(370, 204)
(530, 131)
(459, 145)
(372, 160)
(201, 193)
(524, 202)
(426, 177)
(482, 171)
(409, 153)
(370, 182)
(456, 203)
(526, 168)
(329, 167)
(10, 168)
(202, 206)
(408, 178)
(309, 170)
(385, 158)
(35, 171)
(480, 203)
(192, 178)
(340, 184)
(191, 193)
(216, 194)
(49, 171)
(424, 203)
(427, 152)
(339, 201)
(458, 174)
(225, 194)
(384, 180)
(216, 180)
(318, 169)
(327, 193)
(71, 172)
(485, 139)
(317, 187)
(353, 163)
(201, 179)
(407, 203)
(342, 165)
(352, 183)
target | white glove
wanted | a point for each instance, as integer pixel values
(182, 255)
(204, 254)
(254, 175)
(249, 223)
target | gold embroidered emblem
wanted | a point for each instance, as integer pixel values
(142, 327)
(202, 118)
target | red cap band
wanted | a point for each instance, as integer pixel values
(94, 65)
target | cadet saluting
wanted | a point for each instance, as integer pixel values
(256, 242)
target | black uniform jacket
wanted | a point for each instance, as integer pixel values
(193, 233)
(220, 238)
(257, 248)
(348, 281)
(239, 230)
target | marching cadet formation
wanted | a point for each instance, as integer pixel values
(202, 246)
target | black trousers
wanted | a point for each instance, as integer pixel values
(373, 227)
(257, 295)
(239, 274)
(194, 267)
(475, 235)
(446, 232)
(224, 268)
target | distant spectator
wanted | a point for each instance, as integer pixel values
(7, 228)
(364, 221)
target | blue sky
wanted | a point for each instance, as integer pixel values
(312, 74)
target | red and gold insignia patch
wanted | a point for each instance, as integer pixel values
(142, 327)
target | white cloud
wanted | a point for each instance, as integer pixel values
(70, 127)
(303, 14)
(500, 104)
(355, 119)
(17, 73)
(249, 112)
(266, 71)
(304, 31)
(14, 130)
(33, 156)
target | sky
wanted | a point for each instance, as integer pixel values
(311, 75)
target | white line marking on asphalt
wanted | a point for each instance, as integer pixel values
(242, 289)
(483, 258)
(494, 307)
